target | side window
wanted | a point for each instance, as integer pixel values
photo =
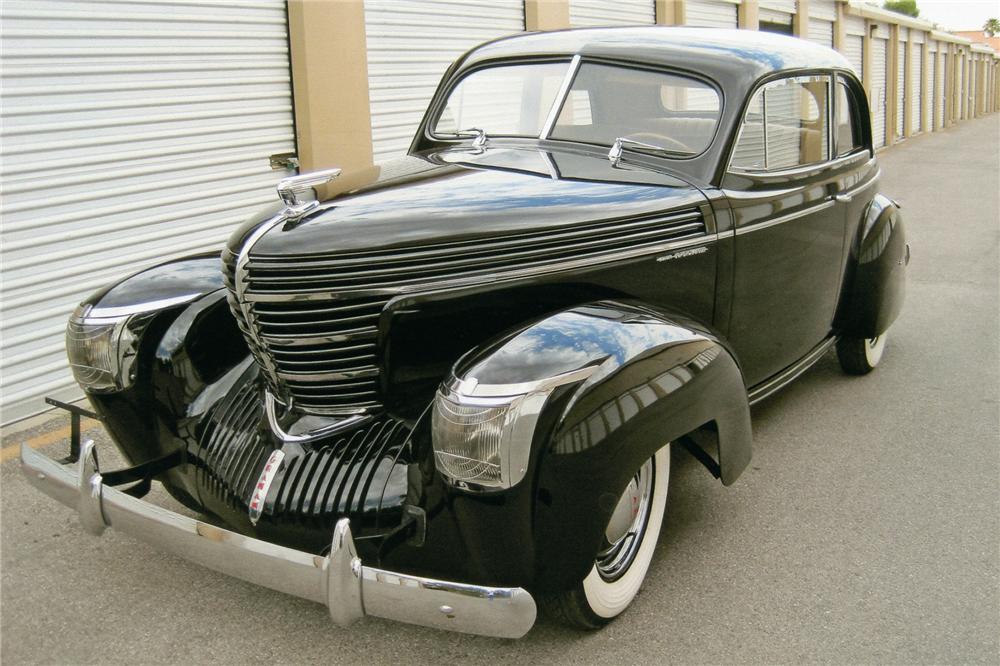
(787, 125)
(848, 127)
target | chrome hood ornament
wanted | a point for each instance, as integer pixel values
(298, 192)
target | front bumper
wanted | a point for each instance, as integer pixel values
(340, 581)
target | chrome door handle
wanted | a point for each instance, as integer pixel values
(843, 198)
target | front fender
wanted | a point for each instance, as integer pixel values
(875, 282)
(659, 377)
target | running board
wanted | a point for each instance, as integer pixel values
(789, 374)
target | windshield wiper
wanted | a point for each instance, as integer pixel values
(623, 142)
(478, 135)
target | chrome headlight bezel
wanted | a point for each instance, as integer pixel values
(102, 350)
(481, 434)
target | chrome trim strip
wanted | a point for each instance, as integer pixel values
(470, 386)
(98, 312)
(481, 278)
(270, 408)
(340, 581)
(791, 373)
(784, 218)
(550, 120)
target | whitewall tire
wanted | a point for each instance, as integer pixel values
(630, 541)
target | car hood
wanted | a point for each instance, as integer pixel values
(460, 194)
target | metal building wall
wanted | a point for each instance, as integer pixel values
(901, 84)
(410, 45)
(593, 13)
(822, 15)
(133, 132)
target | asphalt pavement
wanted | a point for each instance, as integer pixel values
(867, 528)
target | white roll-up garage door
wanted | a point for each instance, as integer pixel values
(776, 11)
(916, 72)
(594, 13)
(930, 104)
(901, 82)
(711, 14)
(880, 57)
(943, 77)
(821, 32)
(410, 45)
(854, 36)
(854, 51)
(133, 132)
(822, 14)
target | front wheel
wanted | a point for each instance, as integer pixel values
(621, 564)
(859, 356)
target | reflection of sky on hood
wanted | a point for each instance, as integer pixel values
(576, 338)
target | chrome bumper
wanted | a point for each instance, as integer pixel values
(340, 581)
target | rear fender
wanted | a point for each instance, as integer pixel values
(875, 282)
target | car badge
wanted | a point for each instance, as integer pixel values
(271, 468)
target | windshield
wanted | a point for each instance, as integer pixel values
(676, 114)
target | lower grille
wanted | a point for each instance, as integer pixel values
(348, 475)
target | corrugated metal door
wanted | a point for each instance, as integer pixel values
(410, 45)
(916, 101)
(821, 32)
(943, 78)
(593, 13)
(900, 86)
(711, 14)
(133, 132)
(854, 50)
(776, 11)
(932, 85)
(822, 14)
(880, 57)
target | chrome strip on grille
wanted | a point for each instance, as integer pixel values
(311, 319)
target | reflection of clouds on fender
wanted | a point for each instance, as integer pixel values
(614, 413)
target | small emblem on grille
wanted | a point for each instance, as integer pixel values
(271, 468)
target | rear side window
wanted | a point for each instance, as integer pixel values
(848, 121)
(786, 126)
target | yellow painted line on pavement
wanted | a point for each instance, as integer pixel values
(47, 438)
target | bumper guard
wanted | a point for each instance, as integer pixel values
(340, 581)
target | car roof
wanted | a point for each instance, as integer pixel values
(717, 52)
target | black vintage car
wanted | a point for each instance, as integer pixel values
(444, 391)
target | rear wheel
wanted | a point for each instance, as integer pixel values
(621, 564)
(859, 356)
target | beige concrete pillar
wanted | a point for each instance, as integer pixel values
(749, 15)
(800, 22)
(546, 14)
(669, 12)
(330, 84)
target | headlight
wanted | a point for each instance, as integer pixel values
(482, 434)
(102, 350)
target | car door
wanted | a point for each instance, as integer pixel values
(789, 245)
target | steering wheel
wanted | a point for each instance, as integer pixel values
(659, 140)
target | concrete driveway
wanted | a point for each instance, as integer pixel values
(865, 531)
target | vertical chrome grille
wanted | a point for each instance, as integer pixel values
(311, 319)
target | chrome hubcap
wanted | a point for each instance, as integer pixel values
(627, 525)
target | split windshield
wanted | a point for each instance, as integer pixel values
(674, 113)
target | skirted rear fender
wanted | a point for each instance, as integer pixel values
(875, 282)
(658, 377)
